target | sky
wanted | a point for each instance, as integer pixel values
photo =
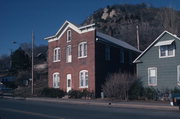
(19, 18)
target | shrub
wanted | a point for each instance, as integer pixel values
(52, 92)
(150, 93)
(75, 94)
(117, 85)
(136, 90)
(79, 94)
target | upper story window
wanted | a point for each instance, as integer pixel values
(107, 53)
(56, 54)
(56, 80)
(122, 55)
(178, 75)
(83, 78)
(166, 51)
(69, 36)
(82, 50)
(152, 76)
(68, 54)
(166, 48)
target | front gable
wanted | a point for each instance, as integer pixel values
(166, 38)
(67, 25)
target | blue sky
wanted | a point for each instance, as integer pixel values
(18, 18)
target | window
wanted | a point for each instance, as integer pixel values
(152, 76)
(166, 51)
(56, 80)
(122, 56)
(83, 77)
(178, 75)
(68, 54)
(56, 56)
(107, 53)
(69, 36)
(82, 50)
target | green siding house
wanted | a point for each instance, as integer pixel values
(158, 66)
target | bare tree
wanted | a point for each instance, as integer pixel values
(117, 85)
(169, 18)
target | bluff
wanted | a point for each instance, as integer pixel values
(120, 21)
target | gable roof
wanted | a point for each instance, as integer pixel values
(87, 28)
(135, 61)
(65, 26)
(116, 41)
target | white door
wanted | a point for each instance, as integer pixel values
(69, 82)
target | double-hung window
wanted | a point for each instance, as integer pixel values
(83, 79)
(69, 36)
(68, 54)
(152, 76)
(178, 75)
(56, 80)
(56, 54)
(167, 51)
(82, 50)
(166, 48)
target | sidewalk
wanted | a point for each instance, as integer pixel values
(99, 102)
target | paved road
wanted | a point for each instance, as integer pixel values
(21, 109)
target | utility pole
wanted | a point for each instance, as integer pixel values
(32, 82)
(137, 33)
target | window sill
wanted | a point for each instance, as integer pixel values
(57, 61)
(82, 57)
(83, 87)
(56, 87)
(166, 56)
(152, 84)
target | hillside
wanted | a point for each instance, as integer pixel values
(120, 21)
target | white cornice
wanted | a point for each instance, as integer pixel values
(67, 25)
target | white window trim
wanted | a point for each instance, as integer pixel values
(56, 55)
(166, 52)
(68, 56)
(79, 57)
(149, 76)
(56, 73)
(178, 73)
(68, 35)
(84, 71)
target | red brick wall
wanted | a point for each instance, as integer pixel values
(76, 65)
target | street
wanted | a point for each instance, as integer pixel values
(22, 109)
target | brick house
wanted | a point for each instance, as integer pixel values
(81, 58)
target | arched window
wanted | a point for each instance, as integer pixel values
(56, 80)
(83, 79)
(82, 50)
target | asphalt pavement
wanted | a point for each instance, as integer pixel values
(20, 108)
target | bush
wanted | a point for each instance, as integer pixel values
(117, 85)
(75, 94)
(136, 90)
(150, 93)
(52, 92)
(79, 94)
